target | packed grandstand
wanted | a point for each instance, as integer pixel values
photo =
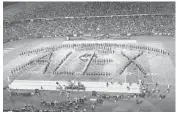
(51, 20)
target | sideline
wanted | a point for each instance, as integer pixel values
(90, 86)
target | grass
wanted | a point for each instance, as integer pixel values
(147, 105)
(151, 104)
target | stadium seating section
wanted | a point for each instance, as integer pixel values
(77, 19)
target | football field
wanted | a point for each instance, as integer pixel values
(159, 68)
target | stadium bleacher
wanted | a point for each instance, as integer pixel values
(128, 20)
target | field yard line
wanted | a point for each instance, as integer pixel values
(125, 78)
(163, 66)
(166, 78)
(164, 72)
(168, 58)
(7, 50)
(152, 79)
(138, 74)
(159, 84)
(150, 70)
(124, 74)
(8, 79)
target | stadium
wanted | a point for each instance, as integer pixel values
(89, 57)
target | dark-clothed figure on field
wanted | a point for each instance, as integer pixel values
(107, 84)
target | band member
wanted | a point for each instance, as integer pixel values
(130, 83)
(169, 86)
(92, 107)
(84, 110)
(107, 84)
(145, 77)
(156, 84)
(128, 87)
(67, 94)
(120, 83)
(153, 90)
(160, 96)
(168, 90)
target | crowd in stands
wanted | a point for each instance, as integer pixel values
(101, 21)
(123, 26)
(73, 9)
(162, 22)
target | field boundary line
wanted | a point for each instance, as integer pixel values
(89, 87)
(165, 73)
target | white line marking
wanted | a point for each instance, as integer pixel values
(138, 74)
(125, 78)
(90, 86)
(159, 84)
(152, 79)
(6, 50)
(8, 79)
(166, 77)
(164, 72)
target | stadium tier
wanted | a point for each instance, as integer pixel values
(129, 21)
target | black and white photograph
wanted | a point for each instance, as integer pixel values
(89, 56)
